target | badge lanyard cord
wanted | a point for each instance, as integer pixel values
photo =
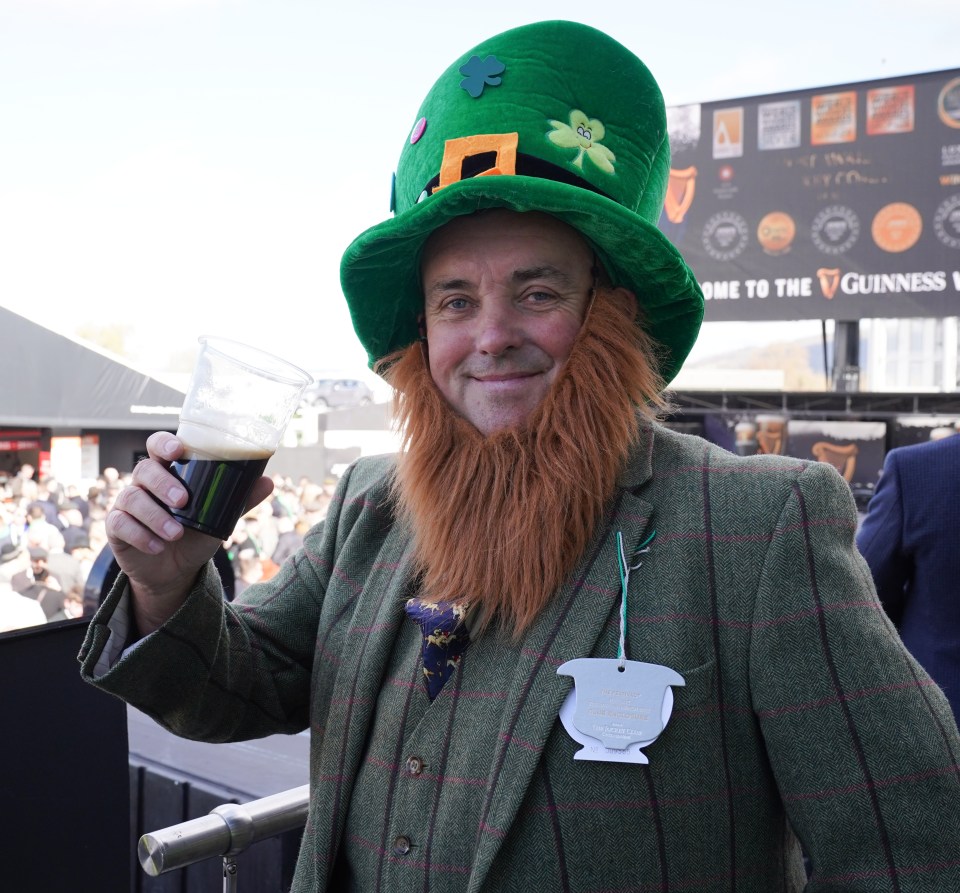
(625, 571)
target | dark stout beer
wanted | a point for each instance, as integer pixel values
(218, 490)
(239, 401)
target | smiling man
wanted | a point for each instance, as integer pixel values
(522, 335)
(505, 295)
(552, 645)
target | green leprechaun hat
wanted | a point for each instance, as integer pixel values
(554, 117)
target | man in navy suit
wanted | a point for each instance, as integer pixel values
(911, 540)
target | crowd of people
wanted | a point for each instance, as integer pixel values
(52, 532)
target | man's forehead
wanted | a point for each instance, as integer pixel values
(523, 275)
(531, 244)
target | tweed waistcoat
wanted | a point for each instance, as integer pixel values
(418, 792)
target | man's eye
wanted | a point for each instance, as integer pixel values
(456, 304)
(540, 297)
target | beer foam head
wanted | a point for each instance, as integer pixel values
(204, 441)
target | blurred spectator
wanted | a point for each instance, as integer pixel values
(68, 571)
(36, 582)
(71, 609)
(76, 501)
(909, 538)
(111, 486)
(98, 536)
(48, 501)
(95, 497)
(16, 611)
(84, 556)
(23, 486)
(265, 528)
(40, 532)
(75, 528)
(285, 503)
(315, 500)
(111, 477)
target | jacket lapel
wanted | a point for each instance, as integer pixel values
(370, 639)
(567, 629)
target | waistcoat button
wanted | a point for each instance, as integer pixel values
(401, 845)
(415, 765)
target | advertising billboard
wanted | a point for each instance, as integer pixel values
(831, 203)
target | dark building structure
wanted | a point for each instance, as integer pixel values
(55, 386)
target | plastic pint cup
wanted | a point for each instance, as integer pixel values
(745, 434)
(237, 407)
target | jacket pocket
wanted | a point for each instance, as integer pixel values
(699, 687)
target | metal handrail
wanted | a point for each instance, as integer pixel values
(226, 831)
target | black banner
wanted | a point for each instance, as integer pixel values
(832, 203)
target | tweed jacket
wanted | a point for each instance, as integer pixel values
(802, 715)
(911, 541)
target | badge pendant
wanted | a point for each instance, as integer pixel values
(617, 706)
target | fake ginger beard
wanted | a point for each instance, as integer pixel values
(500, 521)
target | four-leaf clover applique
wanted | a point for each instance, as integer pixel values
(479, 73)
(583, 134)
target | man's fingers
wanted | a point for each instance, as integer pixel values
(138, 519)
(124, 532)
(153, 477)
(164, 446)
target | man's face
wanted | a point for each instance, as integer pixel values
(505, 295)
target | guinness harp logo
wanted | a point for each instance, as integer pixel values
(841, 457)
(680, 190)
(829, 280)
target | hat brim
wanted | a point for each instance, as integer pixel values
(380, 270)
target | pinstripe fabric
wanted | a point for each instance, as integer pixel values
(910, 539)
(802, 714)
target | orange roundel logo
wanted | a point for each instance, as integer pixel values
(897, 227)
(775, 232)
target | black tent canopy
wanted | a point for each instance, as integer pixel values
(53, 381)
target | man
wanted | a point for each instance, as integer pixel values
(40, 532)
(75, 528)
(23, 487)
(639, 662)
(16, 611)
(36, 582)
(910, 540)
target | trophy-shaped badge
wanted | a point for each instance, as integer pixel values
(617, 706)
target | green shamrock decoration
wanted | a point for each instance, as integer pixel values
(584, 135)
(478, 73)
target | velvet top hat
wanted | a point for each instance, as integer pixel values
(554, 117)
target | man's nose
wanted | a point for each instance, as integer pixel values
(499, 329)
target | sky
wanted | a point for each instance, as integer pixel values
(190, 167)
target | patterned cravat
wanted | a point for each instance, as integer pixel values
(445, 638)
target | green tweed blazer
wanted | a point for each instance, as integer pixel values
(803, 720)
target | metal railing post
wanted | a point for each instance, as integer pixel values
(226, 831)
(230, 872)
